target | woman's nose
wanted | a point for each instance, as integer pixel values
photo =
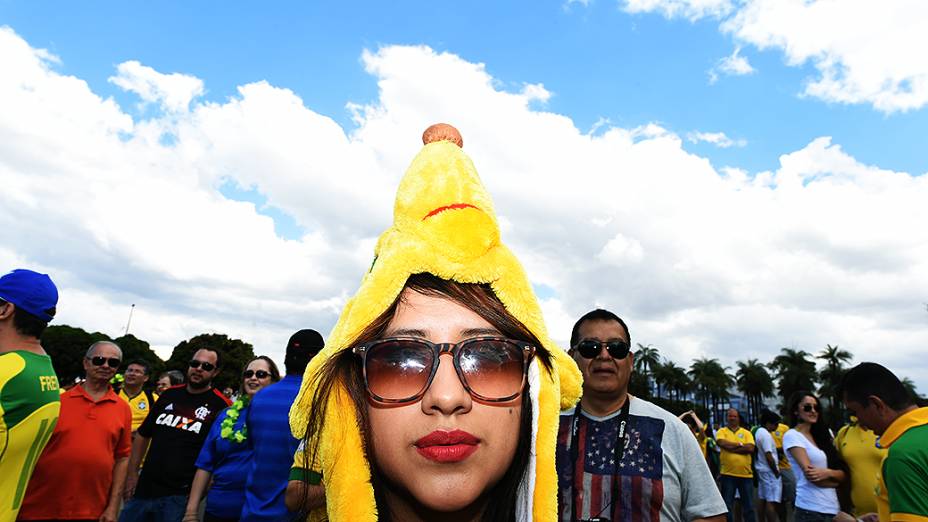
(446, 395)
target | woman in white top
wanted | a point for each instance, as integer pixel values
(810, 449)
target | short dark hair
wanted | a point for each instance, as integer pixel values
(867, 379)
(140, 362)
(769, 417)
(597, 315)
(175, 376)
(215, 351)
(301, 348)
(28, 324)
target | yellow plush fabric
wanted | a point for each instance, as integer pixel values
(445, 225)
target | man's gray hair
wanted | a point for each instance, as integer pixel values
(93, 348)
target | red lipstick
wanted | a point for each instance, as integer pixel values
(447, 446)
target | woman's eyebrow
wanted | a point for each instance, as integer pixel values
(407, 332)
(478, 332)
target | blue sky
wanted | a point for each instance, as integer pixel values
(748, 174)
(598, 61)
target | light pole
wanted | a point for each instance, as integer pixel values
(131, 309)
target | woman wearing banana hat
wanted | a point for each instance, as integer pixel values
(437, 396)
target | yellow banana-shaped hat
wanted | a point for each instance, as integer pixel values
(444, 224)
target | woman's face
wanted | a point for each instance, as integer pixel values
(252, 384)
(809, 410)
(485, 435)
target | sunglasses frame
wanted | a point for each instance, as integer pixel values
(105, 360)
(255, 374)
(599, 348)
(201, 364)
(809, 408)
(454, 349)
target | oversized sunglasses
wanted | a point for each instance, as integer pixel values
(207, 367)
(261, 374)
(591, 348)
(399, 370)
(112, 362)
(809, 407)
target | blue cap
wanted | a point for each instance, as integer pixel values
(30, 291)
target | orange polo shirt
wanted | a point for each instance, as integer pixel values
(73, 476)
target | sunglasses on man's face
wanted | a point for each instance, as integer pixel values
(207, 367)
(591, 348)
(112, 362)
(260, 374)
(400, 370)
(808, 408)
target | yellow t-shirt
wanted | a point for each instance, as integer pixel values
(778, 440)
(857, 447)
(140, 405)
(29, 406)
(736, 464)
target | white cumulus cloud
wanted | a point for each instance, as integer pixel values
(719, 139)
(173, 91)
(821, 248)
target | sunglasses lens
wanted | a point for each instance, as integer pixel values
(113, 363)
(194, 364)
(588, 349)
(97, 361)
(261, 374)
(618, 349)
(207, 367)
(248, 374)
(398, 369)
(492, 368)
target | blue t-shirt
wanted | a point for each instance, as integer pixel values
(229, 462)
(273, 447)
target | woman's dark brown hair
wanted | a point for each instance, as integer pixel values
(345, 368)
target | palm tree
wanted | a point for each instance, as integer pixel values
(910, 387)
(794, 371)
(830, 377)
(646, 359)
(711, 381)
(679, 382)
(661, 377)
(755, 382)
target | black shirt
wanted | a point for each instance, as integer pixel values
(177, 425)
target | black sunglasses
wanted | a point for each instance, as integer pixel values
(261, 374)
(591, 348)
(207, 367)
(112, 362)
(809, 407)
(399, 370)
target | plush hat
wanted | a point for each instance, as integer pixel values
(443, 224)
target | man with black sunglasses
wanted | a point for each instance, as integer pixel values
(81, 473)
(173, 434)
(620, 457)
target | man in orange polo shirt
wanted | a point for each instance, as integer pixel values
(81, 474)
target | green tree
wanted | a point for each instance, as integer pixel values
(755, 382)
(794, 372)
(235, 355)
(712, 382)
(909, 385)
(66, 345)
(646, 359)
(135, 348)
(830, 377)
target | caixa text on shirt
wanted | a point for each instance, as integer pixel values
(180, 422)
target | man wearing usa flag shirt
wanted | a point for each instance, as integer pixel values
(620, 457)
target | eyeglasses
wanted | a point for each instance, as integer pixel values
(261, 374)
(207, 367)
(591, 348)
(809, 407)
(399, 370)
(112, 362)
